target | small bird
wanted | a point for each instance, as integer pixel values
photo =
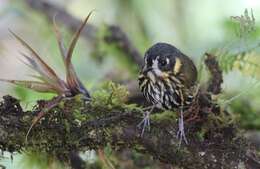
(168, 80)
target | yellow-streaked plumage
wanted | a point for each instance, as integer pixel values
(177, 66)
(168, 81)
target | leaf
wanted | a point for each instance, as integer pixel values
(37, 64)
(36, 61)
(59, 40)
(34, 85)
(72, 80)
(246, 23)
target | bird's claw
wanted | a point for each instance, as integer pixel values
(181, 133)
(145, 123)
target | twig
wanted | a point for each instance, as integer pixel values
(214, 85)
(120, 38)
(63, 17)
(116, 34)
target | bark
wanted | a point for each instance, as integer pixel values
(74, 125)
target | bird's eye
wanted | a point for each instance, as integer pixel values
(164, 61)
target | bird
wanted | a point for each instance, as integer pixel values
(168, 81)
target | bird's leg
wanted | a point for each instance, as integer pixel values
(146, 120)
(149, 108)
(181, 132)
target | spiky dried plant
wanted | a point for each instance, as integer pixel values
(48, 80)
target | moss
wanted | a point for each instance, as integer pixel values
(78, 115)
(110, 95)
(58, 132)
(67, 126)
(133, 107)
(61, 104)
(66, 121)
(200, 135)
(221, 120)
(40, 160)
(166, 116)
(139, 147)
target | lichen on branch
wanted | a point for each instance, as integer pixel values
(74, 125)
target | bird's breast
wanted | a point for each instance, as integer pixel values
(163, 93)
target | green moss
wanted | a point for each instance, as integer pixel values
(133, 107)
(110, 95)
(79, 116)
(222, 120)
(61, 104)
(201, 134)
(247, 116)
(67, 126)
(166, 116)
(40, 160)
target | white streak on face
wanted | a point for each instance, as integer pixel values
(155, 67)
(155, 63)
(167, 61)
(155, 72)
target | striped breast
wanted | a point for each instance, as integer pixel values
(165, 93)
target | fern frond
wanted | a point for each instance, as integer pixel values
(246, 23)
(246, 62)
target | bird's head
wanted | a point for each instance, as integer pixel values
(163, 60)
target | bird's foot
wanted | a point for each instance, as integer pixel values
(181, 132)
(145, 123)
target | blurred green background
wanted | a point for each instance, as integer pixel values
(193, 26)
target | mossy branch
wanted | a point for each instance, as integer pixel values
(74, 125)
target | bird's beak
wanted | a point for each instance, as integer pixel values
(153, 73)
(149, 72)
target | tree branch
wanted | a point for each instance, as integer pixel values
(116, 35)
(77, 126)
(120, 38)
(214, 86)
